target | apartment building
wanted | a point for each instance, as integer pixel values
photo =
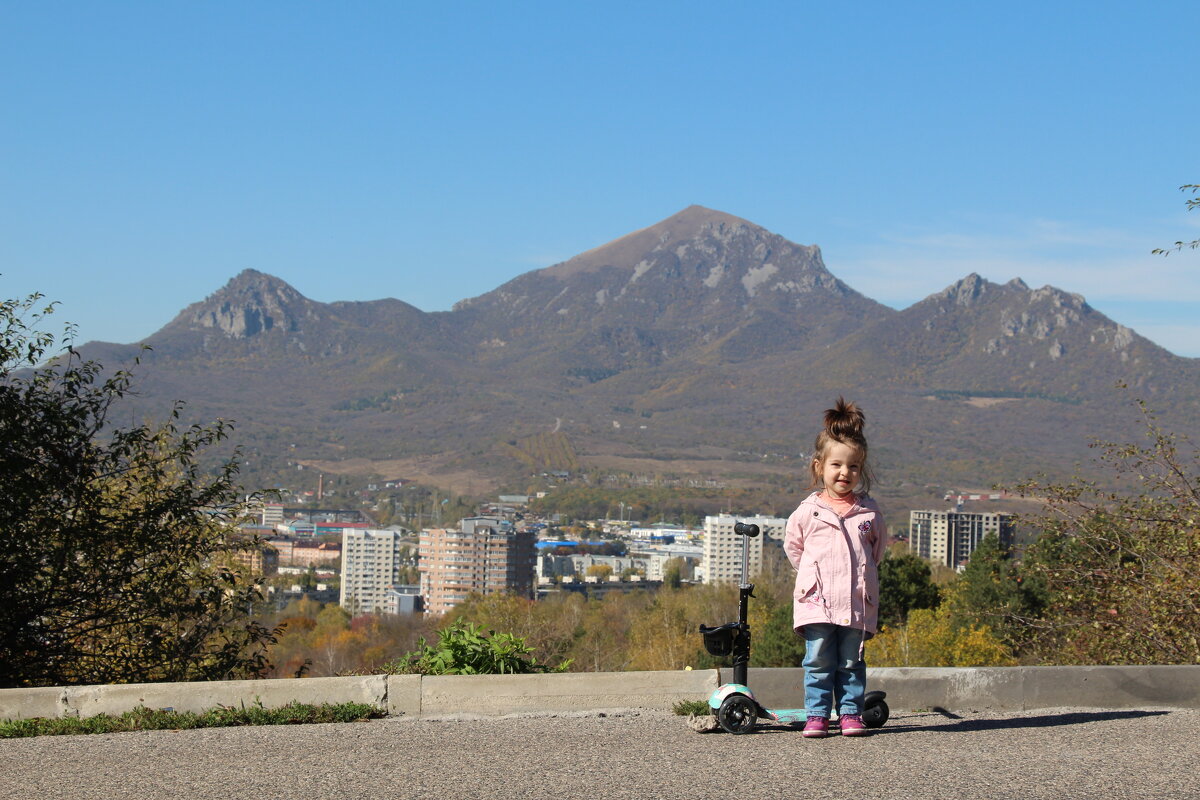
(949, 537)
(723, 547)
(260, 560)
(371, 564)
(486, 555)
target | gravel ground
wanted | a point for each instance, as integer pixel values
(1057, 753)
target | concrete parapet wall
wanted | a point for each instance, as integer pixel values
(908, 688)
(88, 701)
(492, 695)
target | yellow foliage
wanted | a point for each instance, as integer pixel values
(932, 639)
(666, 635)
(663, 638)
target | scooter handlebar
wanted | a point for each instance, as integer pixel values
(745, 529)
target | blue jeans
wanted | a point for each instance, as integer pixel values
(832, 665)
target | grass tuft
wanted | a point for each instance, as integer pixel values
(686, 708)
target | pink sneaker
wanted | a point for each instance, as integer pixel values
(852, 725)
(816, 728)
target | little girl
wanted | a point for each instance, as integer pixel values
(835, 540)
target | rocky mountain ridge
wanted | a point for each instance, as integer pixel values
(701, 344)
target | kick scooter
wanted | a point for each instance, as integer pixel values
(733, 703)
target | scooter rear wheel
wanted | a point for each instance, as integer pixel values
(875, 715)
(737, 714)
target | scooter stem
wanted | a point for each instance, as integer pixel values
(741, 643)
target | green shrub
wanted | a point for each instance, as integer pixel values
(466, 649)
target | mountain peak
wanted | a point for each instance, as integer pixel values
(253, 280)
(965, 291)
(628, 250)
(697, 216)
(252, 302)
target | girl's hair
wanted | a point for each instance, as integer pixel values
(844, 423)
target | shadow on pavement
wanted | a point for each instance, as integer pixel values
(955, 724)
(950, 722)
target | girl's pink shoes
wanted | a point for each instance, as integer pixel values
(852, 725)
(816, 728)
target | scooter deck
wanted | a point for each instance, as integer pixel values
(786, 716)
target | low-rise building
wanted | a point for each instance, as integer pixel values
(305, 552)
(258, 560)
(272, 514)
(310, 553)
(593, 587)
(404, 599)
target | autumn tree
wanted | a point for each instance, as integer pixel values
(602, 643)
(116, 541)
(933, 637)
(666, 635)
(599, 571)
(1121, 567)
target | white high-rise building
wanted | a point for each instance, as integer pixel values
(723, 547)
(371, 566)
(949, 537)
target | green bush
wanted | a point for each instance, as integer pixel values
(466, 649)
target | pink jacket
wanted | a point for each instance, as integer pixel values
(837, 563)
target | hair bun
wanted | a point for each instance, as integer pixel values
(845, 421)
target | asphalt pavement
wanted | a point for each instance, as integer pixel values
(1057, 753)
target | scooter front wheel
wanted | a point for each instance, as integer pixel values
(737, 714)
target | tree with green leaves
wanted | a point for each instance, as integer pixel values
(995, 591)
(118, 559)
(905, 583)
(673, 573)
(1192, 203)
(776, 643)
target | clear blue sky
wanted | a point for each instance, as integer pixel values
(433, 151)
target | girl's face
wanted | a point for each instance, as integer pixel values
(840, 468)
